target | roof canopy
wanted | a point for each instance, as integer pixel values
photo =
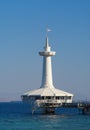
(48, 92)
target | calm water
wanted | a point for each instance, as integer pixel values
(16, 116)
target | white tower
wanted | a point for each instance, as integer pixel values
(47, 96)
(47, 80)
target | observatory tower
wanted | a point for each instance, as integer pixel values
(47, 97)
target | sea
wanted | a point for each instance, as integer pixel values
(17, 116)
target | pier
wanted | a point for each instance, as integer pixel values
(83, 107)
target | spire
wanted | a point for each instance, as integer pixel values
(47, 43)
(47, 47)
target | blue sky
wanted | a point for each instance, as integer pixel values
(23, 26)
